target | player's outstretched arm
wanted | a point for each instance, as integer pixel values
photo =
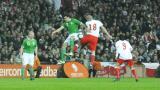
(105, 31)
(82, 25)
(58, 30)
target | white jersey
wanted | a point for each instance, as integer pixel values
(94, 27)
(123, 48)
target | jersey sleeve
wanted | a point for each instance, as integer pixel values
(64, 25)
(100, 23)
(76, 21)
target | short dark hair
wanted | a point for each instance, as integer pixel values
(122, 37)
(87, 13)
(67, 14)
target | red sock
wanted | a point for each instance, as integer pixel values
(134, 73)
(92, 58)
(117, 73)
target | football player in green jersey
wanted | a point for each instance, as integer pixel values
(27, 51)
(72, 26)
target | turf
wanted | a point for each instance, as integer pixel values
(79, 84)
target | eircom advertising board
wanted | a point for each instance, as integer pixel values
(14, 70)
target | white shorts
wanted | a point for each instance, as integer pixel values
(28, 59)
(74, 36)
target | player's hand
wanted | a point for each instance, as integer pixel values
(87, 30)
(35, 56)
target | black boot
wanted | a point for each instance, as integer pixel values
(39, 69)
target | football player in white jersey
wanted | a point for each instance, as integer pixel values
(91, 38)
(123, 54)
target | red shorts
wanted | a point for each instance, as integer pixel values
(129, 62)
(91, 41)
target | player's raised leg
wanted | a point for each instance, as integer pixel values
(72, 45)
(63, 51)
(92, 57)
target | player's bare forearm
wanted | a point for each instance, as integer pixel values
(105, 31)
(82, 26)
(58, 30)
(21, 51)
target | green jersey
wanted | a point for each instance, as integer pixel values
(29, 45)
(72, 26)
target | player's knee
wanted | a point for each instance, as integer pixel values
(132, 68)
(117, 66)
(93, 53)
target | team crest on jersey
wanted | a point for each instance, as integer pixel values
(30, 43)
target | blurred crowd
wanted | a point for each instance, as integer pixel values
(139, 20)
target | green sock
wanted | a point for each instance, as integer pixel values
(22, 73)
(31, 72)
(63, 51)
(72, 45)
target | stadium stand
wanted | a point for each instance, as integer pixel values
(139, 20)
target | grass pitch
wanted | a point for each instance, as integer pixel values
(79, 84)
